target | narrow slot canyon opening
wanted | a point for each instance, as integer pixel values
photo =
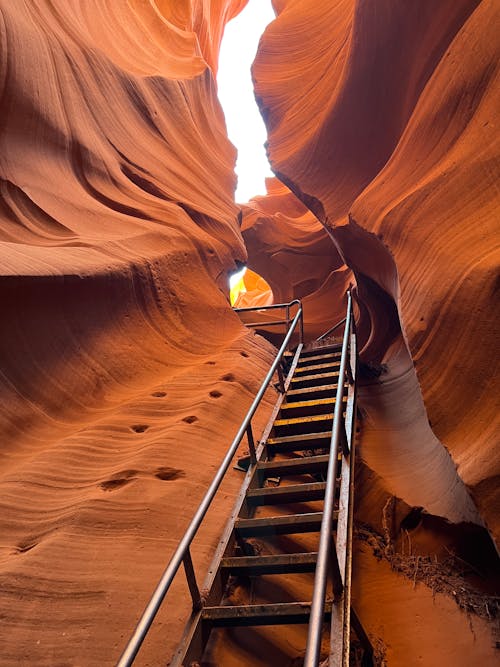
(249, 290)
(245, 126)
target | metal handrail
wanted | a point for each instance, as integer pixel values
(331, 330)
(316, 618)
(271, 307)
(286, 321)
(182, 552)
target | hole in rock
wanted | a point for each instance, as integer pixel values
(249, 290)
(215, 394)
(229, 377)
(159, 394)
(190, 419)
(237, 284)
(412, 519)
(139, 428)
(235, 89)
(245, 354)
(168, 474)
(118, 480)
(112, 484)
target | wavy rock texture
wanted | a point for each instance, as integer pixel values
(120, 357)
(124, 373)
(306, 266)
(382, 122)
(424, 115)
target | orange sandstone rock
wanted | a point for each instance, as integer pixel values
(122, 365)
(400, 138)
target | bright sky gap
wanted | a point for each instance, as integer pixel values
(244, 123)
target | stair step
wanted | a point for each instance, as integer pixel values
(313, 380)
(327, 356)
(288, 524)
(316, 367)
(328, 389)
(282, 495)
(282, 613)
(308, 407)
(299, 442)
(271, 564)
(309, 403)
(297, 425)
(320, 349)
(300, 466)
(304, 420)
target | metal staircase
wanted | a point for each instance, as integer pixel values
(299, 484)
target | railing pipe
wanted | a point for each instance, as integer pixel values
(165, 582)
(269, 323)
(331, 329)
(271, 307)
(320, 578)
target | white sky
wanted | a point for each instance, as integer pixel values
(244, 123)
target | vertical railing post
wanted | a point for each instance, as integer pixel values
(251, 444)
(191, 580)
(281, 380)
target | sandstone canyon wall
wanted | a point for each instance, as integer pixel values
(383, 122)
(120, 357)
(124, 372)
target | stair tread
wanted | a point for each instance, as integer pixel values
(315, 376)
(286, 494)
(302, 420)
(311, 390)
(286, 524)
(310, 351)
(316, 357)
(308, 403)
(291, 465)
(272, 563)
(315, 367)
(289, 488)
(278, 613)
(321, 435)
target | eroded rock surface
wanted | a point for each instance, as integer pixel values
(396, 155)
(384, 126)
(124, 373)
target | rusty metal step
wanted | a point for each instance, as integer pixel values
(283, 495)
(320, 349)
(300, 466)
(303, 370)
(299, 442)
(282, 613)
(313, 380)
(302, 425)
(321, 391)
(270, 564)
(327, 357)
(288, 524)
(308, 407)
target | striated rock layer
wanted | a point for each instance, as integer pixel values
(382, 121)
(396, 156)
(124, 373)
(305, 266)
